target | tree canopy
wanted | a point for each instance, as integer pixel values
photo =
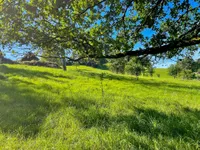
(186, 68)
(102, 28)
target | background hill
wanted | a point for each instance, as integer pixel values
(163, 73)
(87, 108)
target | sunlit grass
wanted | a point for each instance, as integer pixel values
(163, 72)
(44, 108)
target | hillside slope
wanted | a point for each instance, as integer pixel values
(163, 72)
(44, 108)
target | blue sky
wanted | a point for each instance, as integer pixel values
(167, 62)
(8, 53)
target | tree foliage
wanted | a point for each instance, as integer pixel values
(174, 70)
(118, 65)
(133, 66)
(188, 64)
(102, 28)
(186, 68)
(136, 66)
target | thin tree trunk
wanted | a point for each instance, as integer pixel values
(64, 64)
(63, 60)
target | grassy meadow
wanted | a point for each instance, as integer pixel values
(87, 108)
(163, 72)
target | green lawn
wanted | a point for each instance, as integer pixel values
(163, 73)
(44, 108)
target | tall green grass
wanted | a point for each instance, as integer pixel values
(86, 108)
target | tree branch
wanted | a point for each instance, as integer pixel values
(155, 50)
(152, 14)
(195, 27)
(148, 51)
(140, 52)
(96, 4)
(181, 16)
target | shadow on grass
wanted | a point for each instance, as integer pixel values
(144, 121)
(22, 110)
(34, 73)
(146, 82)
(98, 75)
(154, 123)
(24, 72)
(148, 122)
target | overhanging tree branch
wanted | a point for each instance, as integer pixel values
(195, 27)
(148, 51)
(155, 50)
(140, 52)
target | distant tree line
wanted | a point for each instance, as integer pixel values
(134, 66)
(187, 68)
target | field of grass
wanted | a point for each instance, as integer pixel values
(86, 108)
(163, 72)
